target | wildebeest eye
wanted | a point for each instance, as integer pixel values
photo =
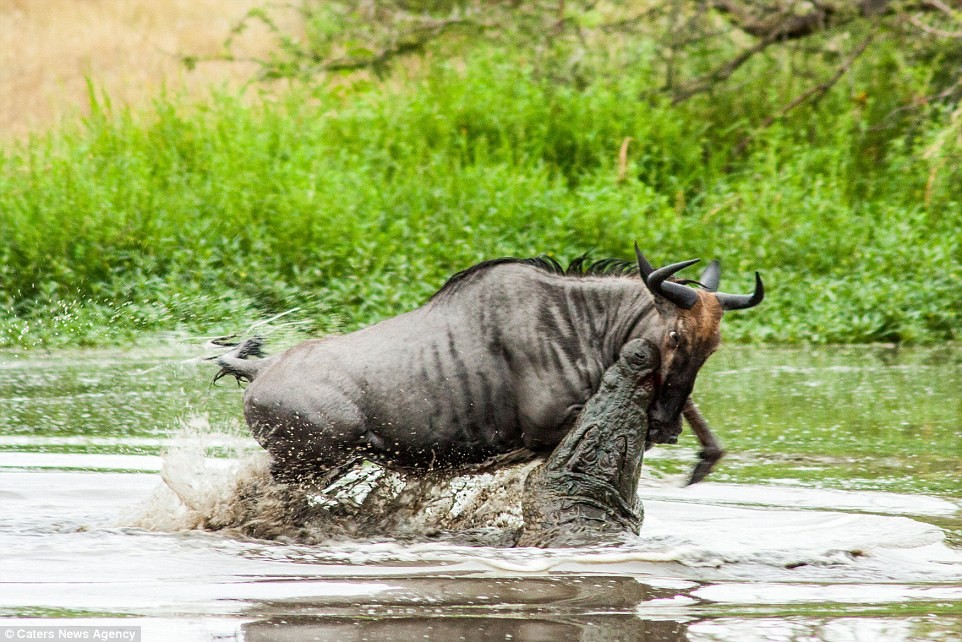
(673, 339)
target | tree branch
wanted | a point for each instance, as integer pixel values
(783, 24)
(938, 5)
(780, 22)
(929, 29)
(410, 42)
(721, 73)
(812, 93)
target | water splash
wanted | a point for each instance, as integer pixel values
(237, 496)
(372, 517)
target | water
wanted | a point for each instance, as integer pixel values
(126, 497)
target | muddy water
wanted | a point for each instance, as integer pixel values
(835, 517)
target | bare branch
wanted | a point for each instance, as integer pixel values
(721, 73)
(812, 93)
(952, 92)
(781, 24)
(821, 17)
(938, 5)
(624, 24)
(929, 29)
(686, 34)
(414, 40)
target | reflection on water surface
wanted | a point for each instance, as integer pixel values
(826, 522)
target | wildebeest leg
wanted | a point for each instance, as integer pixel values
(711, 448)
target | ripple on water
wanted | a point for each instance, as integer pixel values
(695, 554)
(710, 531)
(713, 562)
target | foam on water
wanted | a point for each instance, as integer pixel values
(238, 496)
(211, 545)
(709, 531)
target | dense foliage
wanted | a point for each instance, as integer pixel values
(351, 197)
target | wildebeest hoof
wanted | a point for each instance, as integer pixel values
(707, 459)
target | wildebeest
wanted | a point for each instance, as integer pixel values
(501, 359)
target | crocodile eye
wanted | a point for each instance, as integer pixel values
(673, 339)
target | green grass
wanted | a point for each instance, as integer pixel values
(354, 201)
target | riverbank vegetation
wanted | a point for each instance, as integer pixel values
(345, 195)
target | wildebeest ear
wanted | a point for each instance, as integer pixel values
(711, 277)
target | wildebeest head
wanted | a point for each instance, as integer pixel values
(689, 335)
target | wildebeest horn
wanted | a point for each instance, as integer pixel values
(644, 267)
(742, 301)
(711, 276)
(683, 297)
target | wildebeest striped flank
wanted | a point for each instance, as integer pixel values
(502, 358)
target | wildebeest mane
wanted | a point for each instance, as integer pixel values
(580, 266)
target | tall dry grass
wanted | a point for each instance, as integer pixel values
(129, 48)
